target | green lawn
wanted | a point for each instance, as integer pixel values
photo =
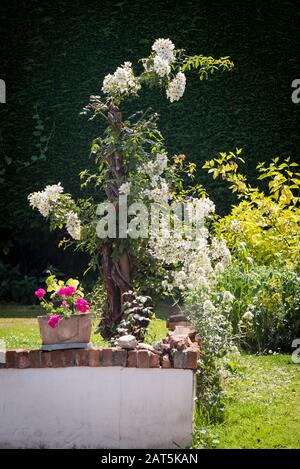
(262, 406)
(19, 327)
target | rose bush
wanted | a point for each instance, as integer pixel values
(131, 159)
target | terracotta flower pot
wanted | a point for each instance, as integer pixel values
(69, 333)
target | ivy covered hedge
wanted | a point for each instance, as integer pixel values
(54, 56)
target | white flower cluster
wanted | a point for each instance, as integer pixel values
(73, 225)
(165, 55)
(48, 201)
(161, 66)
(155, 168)
(199, 209)
(193, 259)
(208, 306)
(122, 82)
(220, 250)
(125, 188)
(176, 87)
(164, 48)
(160, 193)
(42, 199)
(212, 326)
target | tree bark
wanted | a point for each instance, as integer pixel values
(116, 274)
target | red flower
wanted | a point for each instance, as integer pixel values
(40, 293)
(66, 291)
(82, 305)
(53, 321)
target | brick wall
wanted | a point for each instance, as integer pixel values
(180, 350)
(100, 357)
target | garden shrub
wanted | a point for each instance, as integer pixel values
(132, 167)
(265, 224)
(218, 359)
(263, 234)
(266, 309)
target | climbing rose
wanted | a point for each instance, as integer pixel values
(82, 305)
(40, 293)
(53, 321)
(66, 291)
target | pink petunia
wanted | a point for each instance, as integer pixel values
(40, 293)
(53, 321)
(66, 291)
(82, 305)
(65, 304)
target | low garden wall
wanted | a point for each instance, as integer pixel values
(97, 398)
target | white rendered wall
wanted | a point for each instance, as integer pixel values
(85, 407)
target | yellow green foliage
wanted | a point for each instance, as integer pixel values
(265, 225)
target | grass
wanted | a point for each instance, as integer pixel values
(19, 328)
(262, 406)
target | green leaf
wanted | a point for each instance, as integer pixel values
(73, 283)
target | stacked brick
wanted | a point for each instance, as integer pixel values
(180, 349)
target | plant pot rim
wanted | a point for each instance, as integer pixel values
(71, 316)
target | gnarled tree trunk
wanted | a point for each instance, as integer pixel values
(116, 274)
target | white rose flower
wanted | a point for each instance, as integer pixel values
(176, 87)
(42, 200)
(164, 48)
(161, 66)
(73, 225)
(125, 188)
(122, 82)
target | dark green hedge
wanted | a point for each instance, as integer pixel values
(55, 55)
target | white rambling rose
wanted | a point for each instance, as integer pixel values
(122, 82)
(44, 200)
(165, 49)
(176, 87)
(73, 225)
(161, 66)
(125, 188)
(154, 168)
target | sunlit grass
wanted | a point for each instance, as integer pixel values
(262, 406)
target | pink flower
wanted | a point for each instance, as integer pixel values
(40, 293)
(66, 291)
(82, 305)
(53, 321)
(65, 304)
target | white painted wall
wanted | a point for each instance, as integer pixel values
(87, 407)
